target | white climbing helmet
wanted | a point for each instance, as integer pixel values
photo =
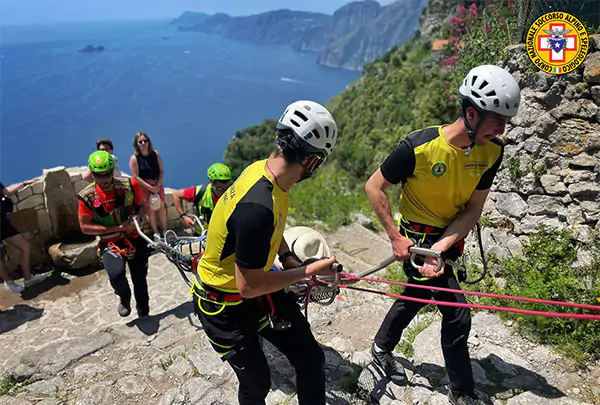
(492, 88)
(311, 123)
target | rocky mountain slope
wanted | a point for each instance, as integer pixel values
(355, 34)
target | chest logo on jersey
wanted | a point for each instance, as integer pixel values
(476, 168)
(438, 169)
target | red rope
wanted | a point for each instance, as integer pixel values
(489, 307)
(350, 276)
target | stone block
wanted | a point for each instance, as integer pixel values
(74, 255)
(38, 188)
(43, 221)
(24, 220)
(172, 214)
(24, 193)
(61, 203)
(30, 202)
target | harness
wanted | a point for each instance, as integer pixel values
(203, 201)
(124, 205)
(425, 236)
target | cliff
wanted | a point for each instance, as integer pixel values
(355, 34)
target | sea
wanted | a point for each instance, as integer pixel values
(189, 91)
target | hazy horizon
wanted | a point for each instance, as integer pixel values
(31, 12)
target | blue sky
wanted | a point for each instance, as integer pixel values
(33, 11)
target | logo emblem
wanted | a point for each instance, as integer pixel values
(557, 43)
(439, 169)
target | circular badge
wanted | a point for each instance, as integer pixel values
(439, 169)
(557, 43)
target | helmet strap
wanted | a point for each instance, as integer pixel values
(470, 131)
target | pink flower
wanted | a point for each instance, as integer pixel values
(473, 7)
(456, 21)
(473, 13)
(452, 97)
(452, 60)
(462, 11)
(496, 12)
(454, 39)
(501, 21)
(486, 28)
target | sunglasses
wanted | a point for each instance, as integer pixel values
(143, 141)
(103, 175)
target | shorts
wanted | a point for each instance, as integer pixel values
(146, 193)
(6, 229)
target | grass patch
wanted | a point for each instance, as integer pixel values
(410, 334)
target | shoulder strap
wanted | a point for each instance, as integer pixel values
(198, 196)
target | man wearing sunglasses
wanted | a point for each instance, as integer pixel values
(236, 297)
(204, 198)
(107, 207)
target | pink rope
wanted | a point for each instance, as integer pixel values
(350, 276)
(488, 307)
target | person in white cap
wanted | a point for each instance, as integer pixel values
(446, 172)
(305, 243)
(236, 296)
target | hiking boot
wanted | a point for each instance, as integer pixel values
(124, 310)
(462, 398)
(12, 286)
(390, 366)
(35, 278)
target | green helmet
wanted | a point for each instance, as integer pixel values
(219, 172)
(101, 161)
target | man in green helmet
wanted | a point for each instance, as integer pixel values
(107, 207)
(204, 198)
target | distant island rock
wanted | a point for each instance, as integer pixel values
(92, 48)
(356, 33)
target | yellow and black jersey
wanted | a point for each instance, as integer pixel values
(246, 228)
(438, 178)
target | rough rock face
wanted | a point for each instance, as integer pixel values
(69, 346)
(551, 168)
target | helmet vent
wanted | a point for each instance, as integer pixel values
(483, 84)
(491, 93)
(328, 145)
(294, 122)
(497, 102)
(473, 79)
(482, 103)
(508, 107)
(315, 133)
(299, 114)
(326, 131)
(475, 94)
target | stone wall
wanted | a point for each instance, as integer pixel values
(46, 213)
(551, 168)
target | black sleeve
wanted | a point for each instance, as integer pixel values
(251, 224)
(488, 177)
(400, 164)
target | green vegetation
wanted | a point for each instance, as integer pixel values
(544, 271)
(409, 336)
(409, 88)
(249, 145)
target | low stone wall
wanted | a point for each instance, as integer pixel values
(46, 213)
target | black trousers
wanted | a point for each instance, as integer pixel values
(456, 324)
(234, 334)
(114, 264)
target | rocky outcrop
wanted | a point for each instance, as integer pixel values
(74, 348)
(551, 168)
(357, 33)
